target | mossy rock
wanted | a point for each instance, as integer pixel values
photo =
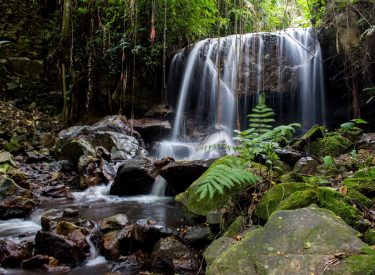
(314, 180)
(354, 265)
(296, 195)
(294, 242)
(311, 135)
(333, 144)
(13, 146)
(370, 236)
(363, 182)
(236, 227)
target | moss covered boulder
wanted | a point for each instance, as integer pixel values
(332, 144)
(301, 241)
(363, 181)
(297, 195)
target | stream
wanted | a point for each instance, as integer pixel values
(94, 204)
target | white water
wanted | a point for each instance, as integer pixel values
(159, 187)
(221, 78)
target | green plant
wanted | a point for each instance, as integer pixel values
(262, 116)
(225, 173)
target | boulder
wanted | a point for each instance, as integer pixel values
(12, 254)
(36, 261)
(118, 242)
(289, 156)
(59, 247)
(134, 177)
(170, 252)
(362, 181)
(303, 241)
(332, 144)
(7, 158)
(306, 166)
(181, 174)
(15, 201)
(115, 222)
(297, 195)
(152, 129)
(111, 133)
(57, 191)
(198, 236)
(149, 232)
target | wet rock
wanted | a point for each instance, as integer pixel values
(91, 173)
(198, 236)
(59, 247)
(367, 141)
(15, 201)
(59, 269)
(118, 242)
(70, 213)
(129, 265)
(170, 252)
(134, 177)
(79, 239)
(48, 223)
(152, 129)
(12, 254)
(289, 156)
(181, 174)
(65, 228)
(36, 261)
(58, 191)
(306, 166)
(147, 231)
(115, 222)
(296, 242)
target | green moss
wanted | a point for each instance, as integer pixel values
(370, 236)
(236, 227)
(13, 145)
(297, 195)
(360, 198)
(332, 145)
(363, 185)
(316, 180)
(355, 265)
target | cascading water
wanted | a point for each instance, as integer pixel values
(218, 79)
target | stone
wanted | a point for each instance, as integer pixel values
(172, 253)
(289, 156)
(12, 254)
(298, 195)
(369, 236)
(115, 222)
(332, 144)
(70, 213)
(65, 228)
(7, 157)
(15, 201)
(57, 191)
(216, 248)
(134, 177)
(310, 136)
(36, 261)
(152, 129)
(198, 236)
(181, 174)
(300, 241)
(59, 247)
(118, 242)
(149, 232)
(306, 166)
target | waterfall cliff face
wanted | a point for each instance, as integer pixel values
(213, 85)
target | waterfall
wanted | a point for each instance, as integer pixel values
(159, 187)
(217, 80)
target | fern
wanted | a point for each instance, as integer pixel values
(262, 116)
(225, 173)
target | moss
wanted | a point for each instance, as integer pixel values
(315, 132)
(316, 180)
(370, 236)
(355, 265)
(332, 145)
(236, 227)
(363, 185)
(297, 195)
(13, 145)
(359, 197)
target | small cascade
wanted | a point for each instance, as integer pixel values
(216, 82)
(159, 187)
(94, 258)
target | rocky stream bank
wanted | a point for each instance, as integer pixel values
(80, 200)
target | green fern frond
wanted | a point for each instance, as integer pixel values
(224, 174)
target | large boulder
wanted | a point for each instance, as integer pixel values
(293, 195)
(152, 129)
(15, 201)
(304, 241)
(134, 177)
(332, 144)
(181, 174)
(111, 133)
(12, 254)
